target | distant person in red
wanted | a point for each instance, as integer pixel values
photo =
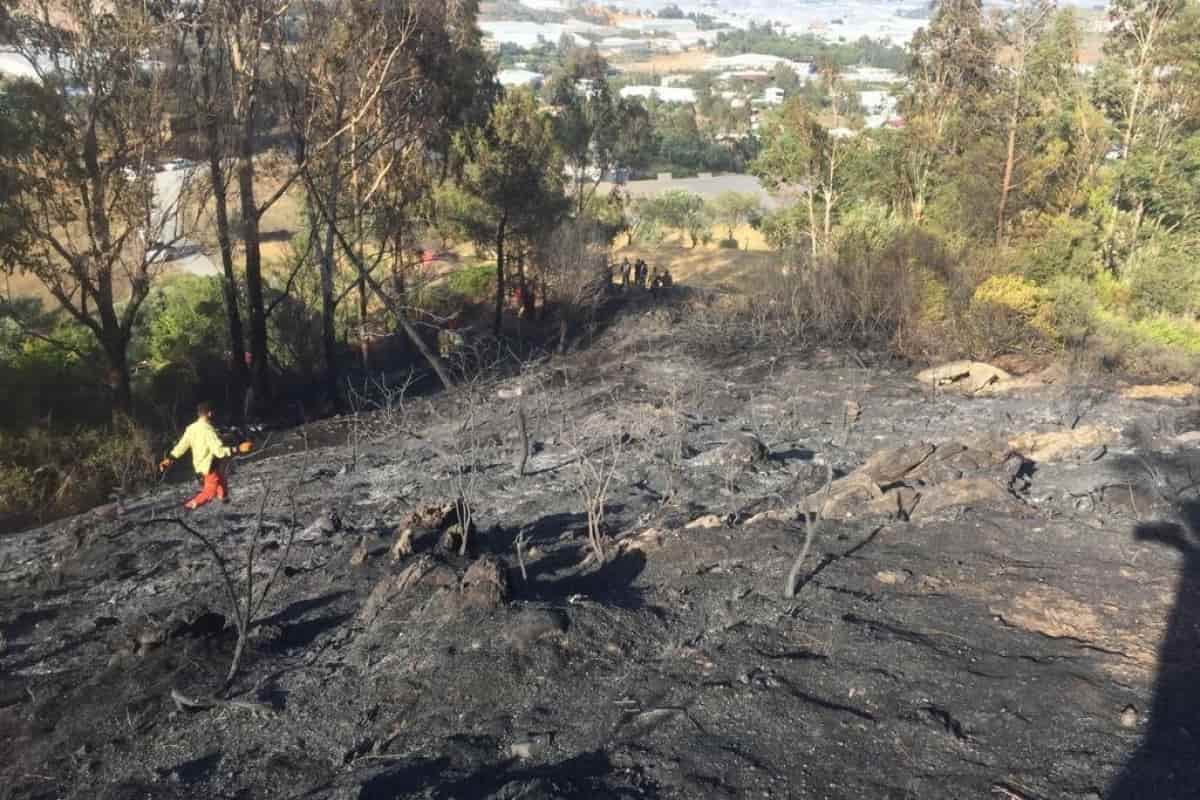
(208, 450)
(524, 301)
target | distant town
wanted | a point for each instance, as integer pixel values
(730, 61)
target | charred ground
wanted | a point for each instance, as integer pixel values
(1001, 599)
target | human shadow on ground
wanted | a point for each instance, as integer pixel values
(299, 608)
(1166, 766)
(194, 770)
(585, 775)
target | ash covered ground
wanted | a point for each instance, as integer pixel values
(1001, 598)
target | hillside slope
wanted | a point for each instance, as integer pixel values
(1001, 601)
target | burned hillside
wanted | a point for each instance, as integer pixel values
(569, 581)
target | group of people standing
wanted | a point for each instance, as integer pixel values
(639, 274)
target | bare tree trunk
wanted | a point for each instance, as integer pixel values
(328, 311)
(239, 372)
(812, 223)
(1006, 185)
(229, 289)
(1014, 118)
(828, 229)
(1134, 108)
(500, 232)
(528, 303)
(829, 196)
(364, 343)
(397, 309)
(260, 368)
(398, 267)
(118, 361)
(328, 264)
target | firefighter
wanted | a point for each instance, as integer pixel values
(656, 281)
(450, 338)
(208, 451)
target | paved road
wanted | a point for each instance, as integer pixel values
(706, 187)
(15, 65)
(185, 254)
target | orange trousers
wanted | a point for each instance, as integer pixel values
(214, 488)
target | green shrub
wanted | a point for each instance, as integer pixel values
(43, 381)
(120, 459)
(1111, 293)
(1164, 279)
(17, 490)
(785, 228)
(1169, 333)
(45, 472)
(1074, 308)
(184, 323)
(1009, 314)
(649, 233)
(728, 244)
(1154, 348)
(294, 329)
(1069, 246)
(473, 283)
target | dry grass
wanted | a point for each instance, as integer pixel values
(708, 266)
(690, 61)
(28, 286)
(282, 221)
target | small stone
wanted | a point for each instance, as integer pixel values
(485, 584)
(1129, 717)
(403, 546)
(891, 578)
(774, 515)
(531, 747)
(744, 450)
(892, 464)
(326, 524)
(360, 554)
(899, 502)
(967, 376)
(1060, 445)
(707, 521)
(955, 494)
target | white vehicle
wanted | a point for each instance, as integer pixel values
(174, 165)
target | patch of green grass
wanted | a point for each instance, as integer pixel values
(1161, 331)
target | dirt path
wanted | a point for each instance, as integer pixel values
(1038, 642)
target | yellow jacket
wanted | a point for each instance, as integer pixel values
(202, 439)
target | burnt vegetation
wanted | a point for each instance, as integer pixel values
(514, 528)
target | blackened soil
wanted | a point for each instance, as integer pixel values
(1041, 644)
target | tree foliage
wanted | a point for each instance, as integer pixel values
(513, 179)
(1030, 173)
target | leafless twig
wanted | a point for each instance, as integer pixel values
(811, 522)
